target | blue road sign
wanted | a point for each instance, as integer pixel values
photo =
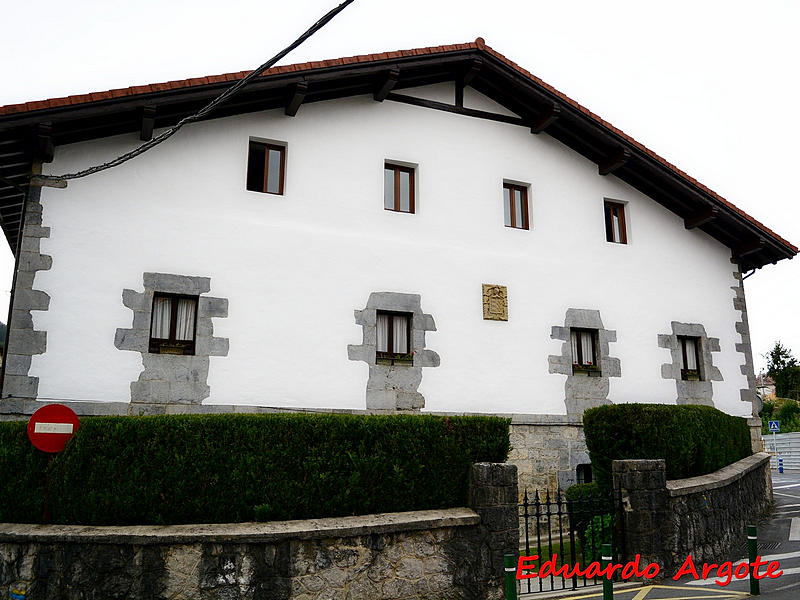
(775, 426)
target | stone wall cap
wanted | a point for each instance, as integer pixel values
(717, 479)
(638, 464)
(241, 532)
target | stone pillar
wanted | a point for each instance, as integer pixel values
(756, 440)
(493, 495)
(644, 508)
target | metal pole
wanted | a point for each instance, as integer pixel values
(752, 550)
(608, 585)
(510, 562)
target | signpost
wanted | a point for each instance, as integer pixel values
(49, 429)
(775, 427)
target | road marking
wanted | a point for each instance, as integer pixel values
(787, 495)
(53, 427)
(794, 532)
(715, 594)
(726, 596)
(786, 587)
(642, 593)
(783, 487)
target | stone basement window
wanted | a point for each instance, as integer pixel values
(515, 205)
(616, 230)
(173, 324)
(393, 343)
(584, 473)
(266, 167)
(690, 357)
(584, 352)
(398, 188)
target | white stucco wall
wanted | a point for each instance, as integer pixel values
(295, 267)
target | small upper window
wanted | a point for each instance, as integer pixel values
(615, 222)
(393, 344)
(584, 351)
(515, 205)
(398, 188)
(266, 165)
(584, 473)
(690, 358)
(172, 329)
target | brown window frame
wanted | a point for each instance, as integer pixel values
(609, 207)
(690, 374)
(391, 357)
(512, 187)
(172, 345)
(581, 366)
(388, 166)
(267, 146)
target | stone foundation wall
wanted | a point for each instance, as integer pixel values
(443, 554)
(547, 450)
(704, 516)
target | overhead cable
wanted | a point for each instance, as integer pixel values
(61, 180)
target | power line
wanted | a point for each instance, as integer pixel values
(61, 180)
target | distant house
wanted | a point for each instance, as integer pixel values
(428, 230)
(765, 386)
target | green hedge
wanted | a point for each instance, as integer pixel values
(694, 440)
(22, 479)
(233, 468)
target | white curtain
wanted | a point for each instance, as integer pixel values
(587, 348)
(574, 338)
(400, 335)
(184, 326)
(162, 309)
(615, 225)
(383, 333)
(691, 356)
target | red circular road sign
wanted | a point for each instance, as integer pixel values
(51, 426)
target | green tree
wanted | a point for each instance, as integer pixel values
(778, 359)
(784, 369)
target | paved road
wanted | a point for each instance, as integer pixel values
(778, 539)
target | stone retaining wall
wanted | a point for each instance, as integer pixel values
(438, 554)
(704, 516)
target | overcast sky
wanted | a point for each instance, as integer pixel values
(711, 86)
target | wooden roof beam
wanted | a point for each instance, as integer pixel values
(748, 248)
(298, 95)
(390, 80)
(43, 148)
(701, 217)
(614, 162)
(474, 68)
(547, 118)
(148, 123)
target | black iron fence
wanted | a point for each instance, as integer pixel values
(558, 532)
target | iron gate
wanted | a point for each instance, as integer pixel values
(572, 531)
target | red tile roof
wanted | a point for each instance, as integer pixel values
(478, 44)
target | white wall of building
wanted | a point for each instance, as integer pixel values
(295, 267)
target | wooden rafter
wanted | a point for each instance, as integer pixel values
(614, 162)
(390, 80)
(298, 95)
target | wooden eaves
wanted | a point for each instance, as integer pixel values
(30, 131)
